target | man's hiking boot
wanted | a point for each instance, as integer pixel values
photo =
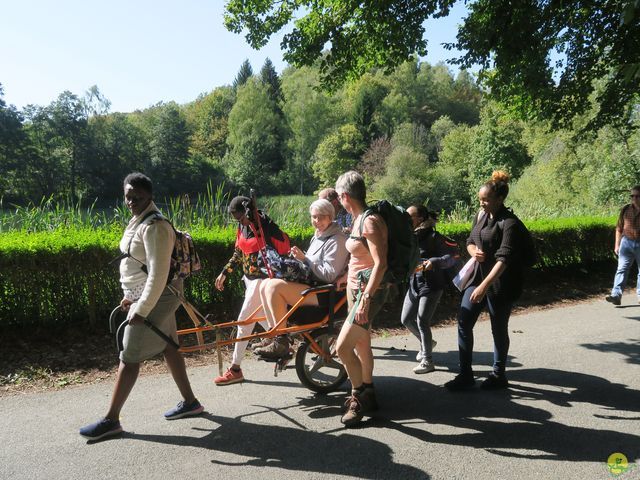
(276, 349)
(615, 299)
(368, 400)
(262, 343)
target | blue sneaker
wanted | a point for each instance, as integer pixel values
(100, 429)
(184, 410)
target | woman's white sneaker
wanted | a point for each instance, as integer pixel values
(424, 367)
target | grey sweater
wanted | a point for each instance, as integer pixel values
(327, 255)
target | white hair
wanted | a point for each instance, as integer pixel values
(323, 207)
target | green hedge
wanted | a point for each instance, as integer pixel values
(561, 242)
(62, 278)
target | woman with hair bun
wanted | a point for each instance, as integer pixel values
(494, 242)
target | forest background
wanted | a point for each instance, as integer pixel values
(419, 134)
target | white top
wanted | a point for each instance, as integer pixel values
(152, 245)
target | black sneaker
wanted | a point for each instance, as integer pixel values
(462, 381)
(495, 382)
(101, 428)
(615, 299)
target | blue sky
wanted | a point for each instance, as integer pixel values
(138, 52)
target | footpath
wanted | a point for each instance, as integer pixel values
(574, 404)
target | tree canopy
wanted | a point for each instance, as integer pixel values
(547, 58)
(418, 134)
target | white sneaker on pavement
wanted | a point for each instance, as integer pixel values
(424, 367)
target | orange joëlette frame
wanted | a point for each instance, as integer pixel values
(280, 328)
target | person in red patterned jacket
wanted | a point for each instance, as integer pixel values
(247, 255)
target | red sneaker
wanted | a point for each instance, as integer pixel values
(229, 377)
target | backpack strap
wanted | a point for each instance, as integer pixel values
(148, 214)
(362, 238)
(122, 256)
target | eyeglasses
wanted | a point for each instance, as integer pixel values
(634, 196)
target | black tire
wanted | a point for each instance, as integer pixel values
(314, 372)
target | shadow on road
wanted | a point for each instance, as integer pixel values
(292, 448)
(447, 359)
(522, 422)
(494, 422)
(629, 349)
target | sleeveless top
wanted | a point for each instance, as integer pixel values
(361, 258)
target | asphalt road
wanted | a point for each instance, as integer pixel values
(574, 401)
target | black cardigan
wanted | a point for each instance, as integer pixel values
(500, 238)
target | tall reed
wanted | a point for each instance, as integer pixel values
(206, 211)
(52, 214)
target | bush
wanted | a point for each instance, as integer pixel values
(561, 242)
(63, 278)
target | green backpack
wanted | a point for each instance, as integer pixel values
(402, 252)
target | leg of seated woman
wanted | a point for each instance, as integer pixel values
(263, 300)
(278, 294)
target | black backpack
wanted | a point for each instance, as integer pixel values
(402, 251)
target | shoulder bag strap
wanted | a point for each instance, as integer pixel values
(362, 238)
(149, 214)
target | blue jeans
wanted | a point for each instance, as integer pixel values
(629, 251)
(499, 311)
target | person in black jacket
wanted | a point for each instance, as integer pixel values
(494, 242)
(437, 253)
